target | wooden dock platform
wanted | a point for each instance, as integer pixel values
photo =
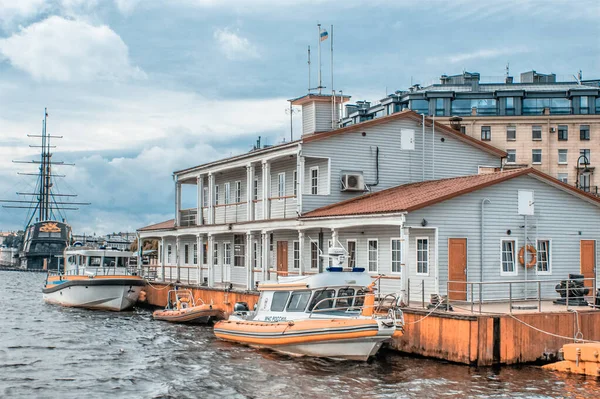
(458, 336)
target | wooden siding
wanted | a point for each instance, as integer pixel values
(354, 152)
(561, 217)
(308, 118)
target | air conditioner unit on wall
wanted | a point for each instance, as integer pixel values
(353, 182)
(552, 130)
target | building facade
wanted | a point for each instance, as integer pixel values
(400, 193)
(549, 125)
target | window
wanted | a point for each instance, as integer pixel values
(543, 257)
(298, 301)
(373, 255)
(563, 177)
(320, 296)
(562, 156)
(512, 156)
(563, 132)
(215, 253)
(351, 244)
(583, 105)
(195, 254)
(281, 185)
(423, 256)
(314, 255)
(396, 255)
(536, 106)
(584, 132)
(255, 190)
(255, 254)
(510, 106)
(511, 133)
(345, 297)
(295, 182)
(279, 300)
(508, 258)
(439, 106)
(227, 253)
(536, 132)
(296, 248)
(463, 130)
(227, 192)
(239, 250)
(486, 133)
(420, 106)
(586, 153)
(205, 253)
(205, 196)
(536, 156)
(238, 191)
(186, 254)
(169, 251)
(216, 194)
(314, 180)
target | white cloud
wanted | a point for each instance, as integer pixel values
(233, 46)
(11, 10)
(69, 50)
(126, 6)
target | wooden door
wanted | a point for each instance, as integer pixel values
(457, 268)
(282, 258)
(588, 260)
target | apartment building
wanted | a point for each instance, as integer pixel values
(549, 125)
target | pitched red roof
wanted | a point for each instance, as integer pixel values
(408, 114)
(166, 225)
(413, 196)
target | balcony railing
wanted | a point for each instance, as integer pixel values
(230, 213)
(591, 189)
(188, 217)
(282, 207)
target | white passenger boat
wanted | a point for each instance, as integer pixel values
(331, 314)
(94, 279)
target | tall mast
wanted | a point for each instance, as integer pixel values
(319, 55)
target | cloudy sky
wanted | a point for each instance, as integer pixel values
(139, 88)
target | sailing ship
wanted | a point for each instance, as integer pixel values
(46, 234)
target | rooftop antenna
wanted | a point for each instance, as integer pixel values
(291, 110)
(578, 77)
(309, 69)
(507, 69)
(333, 120)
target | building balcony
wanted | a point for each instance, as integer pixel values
(188, 217)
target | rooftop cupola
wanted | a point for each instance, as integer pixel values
(320, 112)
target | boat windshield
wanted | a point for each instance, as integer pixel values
(279, 300)
(320, 296)
(344, 298)
(298, 301)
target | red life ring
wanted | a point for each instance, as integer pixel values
(532, 251)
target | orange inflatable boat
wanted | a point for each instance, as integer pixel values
(184, 309)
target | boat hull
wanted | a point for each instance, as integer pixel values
(351, 339)
(114, 294)
(194, 315)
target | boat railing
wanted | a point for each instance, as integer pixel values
(377, 307)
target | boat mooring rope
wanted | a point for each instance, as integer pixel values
(426, 316)
(158, 289)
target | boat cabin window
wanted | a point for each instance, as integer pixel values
(345, 298)
(298, 301)
(360, 298)
(109, 261)
(279, 300)
(95, 261)
(319, 296)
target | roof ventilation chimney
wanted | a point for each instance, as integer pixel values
(317, 111)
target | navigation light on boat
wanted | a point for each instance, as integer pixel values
(358, 269)
(335, 269)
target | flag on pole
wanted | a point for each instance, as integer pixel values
(324, 35)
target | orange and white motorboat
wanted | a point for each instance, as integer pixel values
(94, 279)
(331, 314)
(183, 308)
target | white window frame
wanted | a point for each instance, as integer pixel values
(533, 129)
(215, 250)
(281, 185)
(238, 191)
(255, 254)
(369, 240)
(295, 182)
(315, 242)
(216, 194)
(564, 151)
(511, 162)
(566, 181)
(205, 197)
(417, 239)
(296, 254)
(195, 253)
(512, 129)
(515, 272)
(186, 254)
(355, 251)
(541, 156)
(255, 189)
(401, 260)
(169, 253)
(227, 193)
(549, 271)
(314, 189)
(225, 245)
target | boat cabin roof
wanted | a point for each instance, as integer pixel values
(326, 279)
(107, 253)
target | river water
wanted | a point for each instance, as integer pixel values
(47, 351)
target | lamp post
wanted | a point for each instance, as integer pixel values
(585, 172)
